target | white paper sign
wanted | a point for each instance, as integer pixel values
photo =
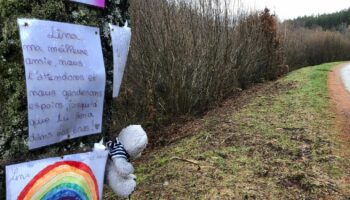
(65, 77)
(78, 176)
(121, 42)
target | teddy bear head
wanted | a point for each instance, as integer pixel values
(134, 140)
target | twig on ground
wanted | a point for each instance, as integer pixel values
(195, 162)
(186, 160)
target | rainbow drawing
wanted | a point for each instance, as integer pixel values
(64, 180)
(98, 3)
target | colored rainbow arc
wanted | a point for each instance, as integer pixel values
(68, 180)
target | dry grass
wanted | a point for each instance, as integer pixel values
(280, 145)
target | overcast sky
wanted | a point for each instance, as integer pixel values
(289, 9)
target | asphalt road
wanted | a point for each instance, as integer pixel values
(345, 76)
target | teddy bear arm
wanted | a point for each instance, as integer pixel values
(123, 167)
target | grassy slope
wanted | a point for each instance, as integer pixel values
(278, 146)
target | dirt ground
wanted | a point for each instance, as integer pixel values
(341, 99)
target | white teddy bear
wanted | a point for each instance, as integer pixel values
(130, 143)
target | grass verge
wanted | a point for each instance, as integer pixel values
(279, 145)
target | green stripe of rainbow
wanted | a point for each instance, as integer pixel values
(62, 180)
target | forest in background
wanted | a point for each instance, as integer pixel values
(334, 21)
(312, 40)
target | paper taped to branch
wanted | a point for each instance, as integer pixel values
(65, 78)
(121, 42)
(98, 3)
(77, 176)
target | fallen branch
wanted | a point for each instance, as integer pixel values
(186, 160)
(195, 162)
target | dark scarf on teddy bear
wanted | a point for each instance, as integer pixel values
(117, 150)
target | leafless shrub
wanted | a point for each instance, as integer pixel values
(305, 47)
(186, 56)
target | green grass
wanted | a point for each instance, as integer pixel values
(280, 145)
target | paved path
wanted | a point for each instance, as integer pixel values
(345, 76)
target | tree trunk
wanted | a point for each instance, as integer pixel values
(13, 100)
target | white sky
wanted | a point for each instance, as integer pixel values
(289, 9)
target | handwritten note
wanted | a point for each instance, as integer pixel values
(120, 41)
(98, 3)
(65, 78)
(77, 176)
